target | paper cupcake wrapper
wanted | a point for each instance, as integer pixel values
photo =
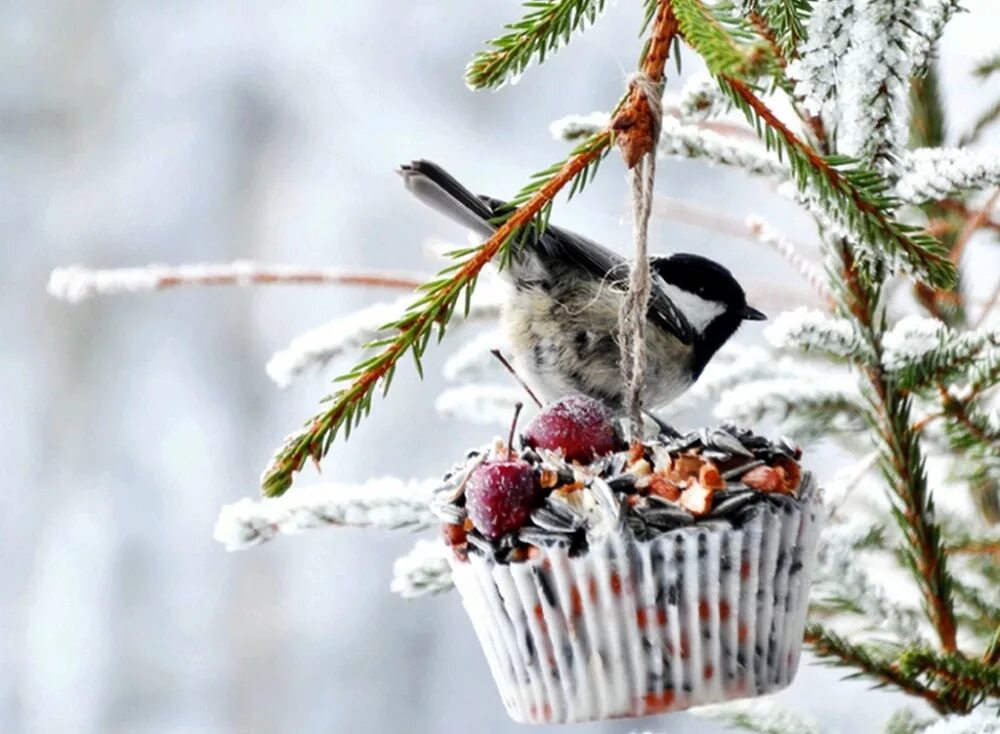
(695, 616)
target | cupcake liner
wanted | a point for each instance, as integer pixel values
(697, 615)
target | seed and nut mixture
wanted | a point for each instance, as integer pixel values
(713, 477)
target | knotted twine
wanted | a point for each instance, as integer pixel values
(632, 316)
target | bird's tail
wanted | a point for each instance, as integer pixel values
(439, 190)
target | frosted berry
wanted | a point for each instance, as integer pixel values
(500, 495)
(582, 427)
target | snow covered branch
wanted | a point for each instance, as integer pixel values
(388, 503)
(922, 351)
(809, 330)
(816, 71)
(763, 716)
(423, 571)
(76, 283)
(317, 347)
(765, 234)
(932, 174)
(479, 403)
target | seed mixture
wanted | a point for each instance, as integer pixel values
(714, 477)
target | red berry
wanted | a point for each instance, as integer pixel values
(583, 428)
(500, 495)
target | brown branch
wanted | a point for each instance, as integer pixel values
(974, 222)
(825, 645)
(963, 210)
(975, 548)
(634, 125)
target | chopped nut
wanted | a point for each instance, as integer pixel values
(710, 478)
(453, 534)
(791, 475)
(548, 478)
(663, 487)
(640, 468)
(697, 500)
(685, 467)
(763, 478)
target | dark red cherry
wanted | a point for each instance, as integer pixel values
(582, 427)
(500, 495)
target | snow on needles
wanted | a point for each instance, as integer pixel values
(828, 37)
(811, 330)
(422, 571)
(388, 503)
(930, 174)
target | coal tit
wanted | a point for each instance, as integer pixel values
(561, 318)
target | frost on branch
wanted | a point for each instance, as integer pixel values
(579, 127)
(761, 715)
(479, 403)
(691, 141)
(874, 82)
(423, 571)
(474, 360)
(932, 174)
(766, 235)
(930, 25)
(815, 72)
(317, 347)
(806, 407)
(980, 721)
(388, 503)
(843, 579)
(920, 351)
(810, 330)
(701, 98)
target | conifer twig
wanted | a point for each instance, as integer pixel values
(861, 194)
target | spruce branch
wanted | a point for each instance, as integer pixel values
(875, 78)
(901, 456)
(964, 682)
(921, 352)
(815, 70)
(719, 36)
(346, 408)
(316, 348)
(809, 330)
(423, 571)
(933, 174)
(871, 663)
(987, 67)
(76, 283)
(386, 503)
(545, 28)
(762, 716)
(936, 15)
(766, 235)
(986, 118)
(782, 23)
(853, 196)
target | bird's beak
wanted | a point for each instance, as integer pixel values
(749, 313)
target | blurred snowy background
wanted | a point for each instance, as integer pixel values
(210, 130)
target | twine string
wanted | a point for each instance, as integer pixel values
(632, 317)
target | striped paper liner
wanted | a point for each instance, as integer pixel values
(697, 615)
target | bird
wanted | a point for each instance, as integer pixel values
(561, 316)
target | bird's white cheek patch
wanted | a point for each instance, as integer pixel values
(699, 312)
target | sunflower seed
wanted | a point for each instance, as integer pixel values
(481, 544)
(725, 442)
(607, 502)
(734, 503)
(739, 471)
(654, 500)
(549, 520)
(622, 483)
(786, 444)
(451, 513)
(544, 538)
(715, 455)
(668, 517)
(567, 512)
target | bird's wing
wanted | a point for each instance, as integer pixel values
(600, 263)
